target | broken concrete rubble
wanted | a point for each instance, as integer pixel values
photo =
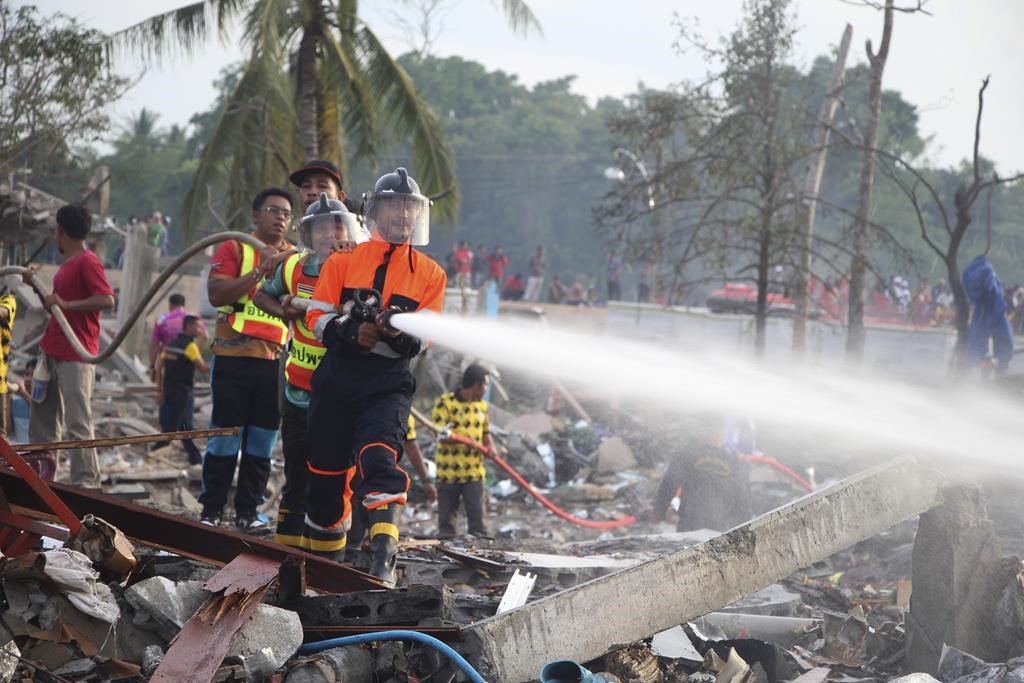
(165, 604)
(959, 577)
(272, 635)
(473, 580)
(613, 455)
(514, 645)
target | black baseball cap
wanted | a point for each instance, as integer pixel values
(316, 166)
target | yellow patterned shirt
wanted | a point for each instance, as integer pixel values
(7, 301)
(458, 464)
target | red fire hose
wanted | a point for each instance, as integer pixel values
(772, 462)
(528, 487)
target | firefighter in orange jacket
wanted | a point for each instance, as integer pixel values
(362, 389)
(326, 225)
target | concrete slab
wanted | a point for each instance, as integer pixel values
(608, 613)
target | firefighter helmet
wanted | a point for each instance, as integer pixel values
(396, 212)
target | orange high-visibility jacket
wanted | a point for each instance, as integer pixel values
(411, 289)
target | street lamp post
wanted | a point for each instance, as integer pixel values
(617, 174)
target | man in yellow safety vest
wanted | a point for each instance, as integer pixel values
(244, 374)
(327, 223)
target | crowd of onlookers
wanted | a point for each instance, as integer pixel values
(467, 267)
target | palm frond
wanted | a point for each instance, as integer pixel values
(178, 32)
(345, 81)
(329, 130)
(234, 164)
(268, 27)
(408, 114)
(347, 16)
(521, 18)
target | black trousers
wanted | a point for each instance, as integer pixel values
(472, 495)
(358, 417)
(245, 394)
(176, 415)
(292, 511)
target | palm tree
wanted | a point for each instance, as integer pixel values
(318, 83)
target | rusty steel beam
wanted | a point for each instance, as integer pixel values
(16, 521)
(31, 479)
(126, 440)
(197, 651)
(185, 537)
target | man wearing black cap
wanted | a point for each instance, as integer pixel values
(315, 177)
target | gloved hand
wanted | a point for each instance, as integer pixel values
(368, 335)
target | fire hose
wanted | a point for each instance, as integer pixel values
(772, 462)
(518, 478)
(154, 289)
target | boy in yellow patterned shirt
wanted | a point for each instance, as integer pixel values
(460, 468)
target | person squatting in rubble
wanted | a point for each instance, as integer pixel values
(244, 379)
(460, 468)
(362, 389)
(715, 483)
(357, 529)
(63, 382)
(326, 225)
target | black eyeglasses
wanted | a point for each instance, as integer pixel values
(278, 211)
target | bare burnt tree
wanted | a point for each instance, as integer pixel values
(728, 156)
(862, 226)
(421, 21)
(944, 224)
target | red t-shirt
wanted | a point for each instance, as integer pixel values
(80, 277)
(498, 264)
(463, 260)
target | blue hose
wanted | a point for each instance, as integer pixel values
(320, 646)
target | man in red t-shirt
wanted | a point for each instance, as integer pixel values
(81, 291)
(498, 262)
(463, 264)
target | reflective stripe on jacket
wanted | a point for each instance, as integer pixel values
(304, 350)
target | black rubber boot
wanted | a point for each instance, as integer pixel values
(384, 541)
(356, 532)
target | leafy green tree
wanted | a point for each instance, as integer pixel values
(150, 170)
(318, 82)
(55, 85)
(530, 160)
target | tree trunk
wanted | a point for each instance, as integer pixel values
(812, 186)
(763, 267)
(956, 285)
(308, 94)
(862, 227)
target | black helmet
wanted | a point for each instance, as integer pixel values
(396, 211)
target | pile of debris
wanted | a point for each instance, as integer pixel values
(640, 602)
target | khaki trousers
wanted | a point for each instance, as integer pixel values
(66, 412)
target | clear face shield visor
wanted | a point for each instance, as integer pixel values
(321, 232)
(399, 218)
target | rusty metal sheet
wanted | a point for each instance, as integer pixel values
(246, 573)
(185, 537)
(197, 651)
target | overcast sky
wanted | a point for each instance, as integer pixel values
(936, 61)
